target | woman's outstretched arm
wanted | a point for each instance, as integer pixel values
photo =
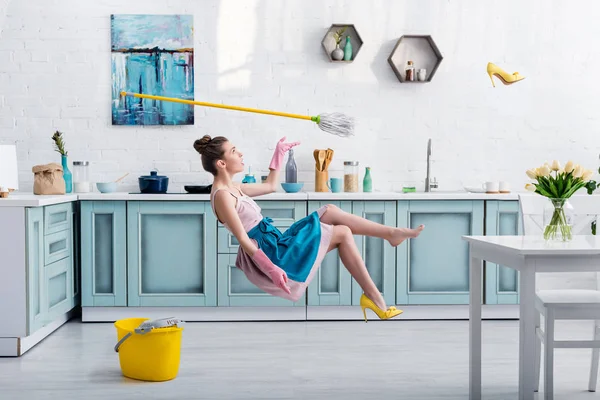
(257, 189)
(225, 208)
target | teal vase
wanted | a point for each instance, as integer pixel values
(67, 175)
(348, 50)
(367, 182)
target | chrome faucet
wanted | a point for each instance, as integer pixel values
(428, 183)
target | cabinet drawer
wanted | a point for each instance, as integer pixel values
(57, 246)
(57, 218)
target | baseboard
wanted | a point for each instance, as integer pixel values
(111, 314)
(310, 313)
(16, 347)
(413, 312)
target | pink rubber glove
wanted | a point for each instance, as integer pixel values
(276, 274)
(280, 151)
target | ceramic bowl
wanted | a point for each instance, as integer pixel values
(106, 187)
(292, 187)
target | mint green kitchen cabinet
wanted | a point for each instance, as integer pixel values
(171, 253)
(49, 264)
(434, 268)
(103, 253)
(502, 283)
(234, 289)
(378, 255)
(332, 284)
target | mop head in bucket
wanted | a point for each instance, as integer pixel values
(149, 350)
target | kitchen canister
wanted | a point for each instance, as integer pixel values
(81, 180)
(350, 176)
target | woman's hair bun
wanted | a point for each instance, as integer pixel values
(200, 144)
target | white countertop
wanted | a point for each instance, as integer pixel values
(17, 199)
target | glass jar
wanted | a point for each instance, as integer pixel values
(350, 176)
(81, 181)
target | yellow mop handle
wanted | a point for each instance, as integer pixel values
(202, 103)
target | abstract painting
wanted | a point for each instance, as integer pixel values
(152, 54)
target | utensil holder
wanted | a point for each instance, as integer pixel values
(321, 178)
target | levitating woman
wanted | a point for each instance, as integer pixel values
(283, 264)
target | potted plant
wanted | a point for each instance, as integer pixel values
(338, 54)
(558, 184)
(59, 146)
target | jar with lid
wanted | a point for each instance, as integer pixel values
(410, 71)
(81, 181)
(350, 176)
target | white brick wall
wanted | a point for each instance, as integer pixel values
(55, 74)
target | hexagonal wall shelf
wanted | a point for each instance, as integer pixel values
(421, 50)
(328, 41)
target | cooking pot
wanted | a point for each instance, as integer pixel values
(153, 183)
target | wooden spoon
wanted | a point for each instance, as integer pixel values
(316, 154)
(122, 177)
(321, 159)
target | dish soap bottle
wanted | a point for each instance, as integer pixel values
(291, 170)
(367, 182)
(249, 178)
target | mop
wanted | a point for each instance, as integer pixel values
(334, 123)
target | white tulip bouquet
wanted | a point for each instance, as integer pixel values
(558, 184)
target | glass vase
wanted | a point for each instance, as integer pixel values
(67, 174)
(558, 220)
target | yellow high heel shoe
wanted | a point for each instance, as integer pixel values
(505, 77)
(366, 302)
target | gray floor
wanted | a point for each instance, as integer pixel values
(294, 360)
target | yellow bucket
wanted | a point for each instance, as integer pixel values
(149, 351)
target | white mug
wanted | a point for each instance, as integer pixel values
(491, 187)
(504, 187)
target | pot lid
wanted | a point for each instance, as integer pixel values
(153, 175)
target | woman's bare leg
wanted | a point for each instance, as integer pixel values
(344, 241)
(362, 226)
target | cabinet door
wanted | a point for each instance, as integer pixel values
(235, 290)
(35, 269)
(332, 285)
(103, 253)
(58, 287)
(502, 283)
(378, 254)
(172, 253)
(434, 268)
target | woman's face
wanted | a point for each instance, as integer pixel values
(234, 159)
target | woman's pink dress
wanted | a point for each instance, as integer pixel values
(250, 215)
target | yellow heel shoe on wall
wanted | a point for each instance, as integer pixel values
(505, 77)
(366, 302)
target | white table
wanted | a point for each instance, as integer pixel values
(528, 255)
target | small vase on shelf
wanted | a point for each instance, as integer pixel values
(348, 50)
(337, 54)
(67, 174)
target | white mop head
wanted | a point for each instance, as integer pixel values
(336, 123)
